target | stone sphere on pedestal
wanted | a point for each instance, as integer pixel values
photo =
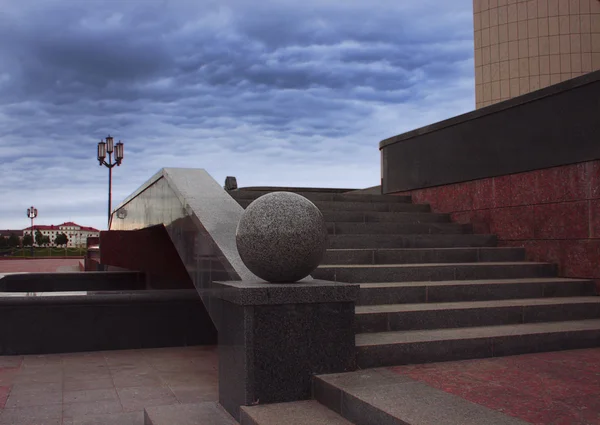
(281, 237)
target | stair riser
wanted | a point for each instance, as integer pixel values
(245, 419)
(352, 408)
(457, 255)
(491, 316)
(472, 348)
(385, 217)
(434, 273)
(397, 228)
(487, 292)
(362, 206)
(317, 196)
(410, 241)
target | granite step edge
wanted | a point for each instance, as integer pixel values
(292, 413)
(427, 316)
(480, 332)
(440, 345)
(383, 397)
(461, 305)
(477, 282)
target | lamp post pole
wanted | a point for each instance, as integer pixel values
(32, 213)
(108, 147)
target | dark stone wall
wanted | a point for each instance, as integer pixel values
(149, 250)
(118, 321)
(82, 281)
(554, 126)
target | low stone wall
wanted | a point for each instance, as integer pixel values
(72, 281)
(101, 321)
(551, 127)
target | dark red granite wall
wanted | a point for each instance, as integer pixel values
(554, 213)
(149, 250)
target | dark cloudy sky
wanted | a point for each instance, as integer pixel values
(274, 92)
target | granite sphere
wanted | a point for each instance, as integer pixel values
(281, 237)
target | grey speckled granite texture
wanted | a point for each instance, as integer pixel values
(269, 350)
(281, 237)
(261, 293)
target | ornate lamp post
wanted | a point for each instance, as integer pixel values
(108, 147)
(32, 213)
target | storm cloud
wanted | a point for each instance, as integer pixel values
(272, 92)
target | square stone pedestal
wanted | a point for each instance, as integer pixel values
(274, 337)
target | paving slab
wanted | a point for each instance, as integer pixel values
(39, 265)
(106, 387)
(552, 387)
(209, 413)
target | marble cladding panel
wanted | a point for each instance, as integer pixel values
(554, 213)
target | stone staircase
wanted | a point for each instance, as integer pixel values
(430, 291)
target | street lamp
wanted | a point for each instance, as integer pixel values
(108, 147)
(32, 213)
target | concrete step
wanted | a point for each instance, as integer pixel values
(382, 397)
(424, 346)
(398, 228)
(208, 413)
(405, 317)
(422, 255)
(472, 290)
(307, 412)
(322, 196)
(385, 217)
(361, 206)
(410, 241)
(432, 272)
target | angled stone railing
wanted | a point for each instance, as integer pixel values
(200, 218)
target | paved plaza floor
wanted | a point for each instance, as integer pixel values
(42, 265)
(114, 387)
(548, 388)
(103, 388)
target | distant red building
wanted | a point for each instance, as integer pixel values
(76, 233)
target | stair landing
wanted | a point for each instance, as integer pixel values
(558, 387)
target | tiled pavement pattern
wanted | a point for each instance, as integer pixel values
(40, 266)
(548, 388)
(108, 388)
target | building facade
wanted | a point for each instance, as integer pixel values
(525, 45)
(76, 234)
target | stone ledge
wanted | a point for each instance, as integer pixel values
(262, 293)
(97, 297)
